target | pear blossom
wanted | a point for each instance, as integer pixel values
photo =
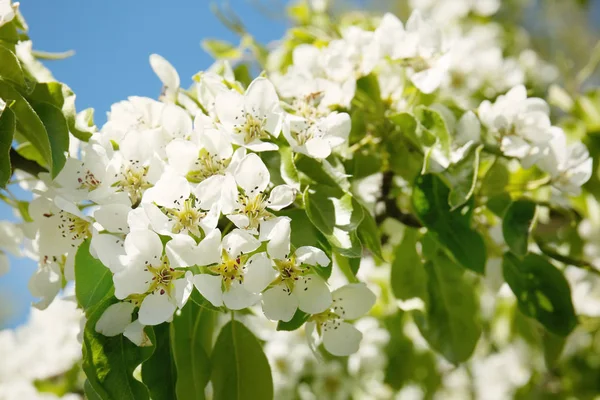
(317, 138)
(518, 124)
(234, 277)
(172, 208)
(569, 165)
(252, 117)
(149, 277)
(298, 285)
(339, 337)
(167, 75)
(7, 11)
(252, 203)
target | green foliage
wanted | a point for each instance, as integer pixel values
(449, 228)
(408, 277)
(158, 371)
(296, 322)
(94, 280)
(517, 224)
(7, 130)
(240, 369)
(542, 292)
(108, 362)
(451, 324)
(190, 340)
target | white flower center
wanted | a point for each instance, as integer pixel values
(163, 276)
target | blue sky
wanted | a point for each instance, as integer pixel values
(113, 40)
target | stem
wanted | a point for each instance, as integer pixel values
(566, 259)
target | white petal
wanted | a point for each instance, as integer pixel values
(113, 217)
(143, 246)
(261, 98)
(109, 250)
(252, 174)
(170, 191)
(259, 146)
(318, 148)
(208, 250)
(182, 155)
(131, 280)
(311, 256)
(176, 121)
(181, 251)
(353, 300)
(115, 319)
(239, 220)
(165, 71)
(313, 294)
(209, 286)
(341, 338)
(277, 231)
(279, 304)
(135, 333)
(229, 107)
(238, 298)
(281, 196)
(238, 242)
(156, 308)
(468, 128)
(183, 289)
(137, 219)
(259, 273)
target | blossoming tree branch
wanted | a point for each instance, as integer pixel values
(363, 141)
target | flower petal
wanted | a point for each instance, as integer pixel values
(115, 319)
(341, 338)
(135, 333)
(353, 300)
(312, 256)
(239, 242)
(313, 294)
(279, 304)
(259, 273)
(252, 174)
(209, 286)
(238, 298)
(156, 308)
(281, 196)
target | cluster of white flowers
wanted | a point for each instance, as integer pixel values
(173, 201)
(44, 348)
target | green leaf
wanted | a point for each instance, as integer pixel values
(158, 371)
(517, 224)
(451, 325)
(94, 280)
(10, 67)
(108, 362)
(7, 130)
(463, 177)
(58, 133)
(90, 393)
(189, 332)
(325, 172)
(337, 215)
(288, 170)
(408, 276)
(542, 291)
(62, 97)
(221, 49)
(296, 322)
(432, 125)
(240, 369)
(368, 233)
(348, 266)
(28, 122)
(450, 228)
